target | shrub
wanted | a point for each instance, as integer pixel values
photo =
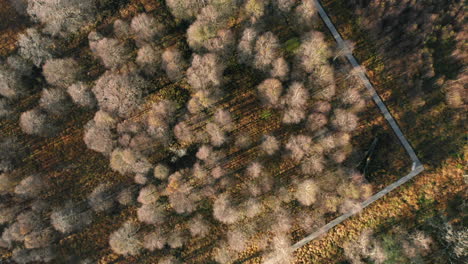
(146, 27)
(124, 241)
(206, 71)
(119, 94)
(61, 72)
(112, 53)
(55, 101)
(126, 161)
(37, 122)
(81, 95)
(154, 240)
(71, 217)
(153, 213)
(30, 186)
(148, 194)
(270, 91)
(62, 17)
(101, 198)
(35, 47)
(270, 145)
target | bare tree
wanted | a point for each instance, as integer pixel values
(154, 240)
(30, 186)
(119, 94)
(35, 47)
(101, 198)
(270, 145)
(126, 161)
(280, 69)
(223, 210)
(185, 9)
(173, 63)
(22, 256)
(146, 28)
(217, 135)
(148, 194)
(314, 51)
(55, 101)
(61, 72)
(5, 109)
(305, 15)
(121, 29)
(270, 91)
(296, 100)
(62, 17)
(153, 213)
(245, 48)
(37, 122)
(298, 146)
(206, 71)
(125, 240)
(306, 192)
(267, 50)
(343, 120)
(20, 65)
(99, 138)
(81, 95)
(316, 121)
(237, 240)
(184, 133)
(161, 171)
(112, 53)
(198, 226)
(70, 218)
(149, 59)
(11, 153)
(284, 5)
(12, 85)
(126, 197)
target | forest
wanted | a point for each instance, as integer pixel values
(215, 131)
